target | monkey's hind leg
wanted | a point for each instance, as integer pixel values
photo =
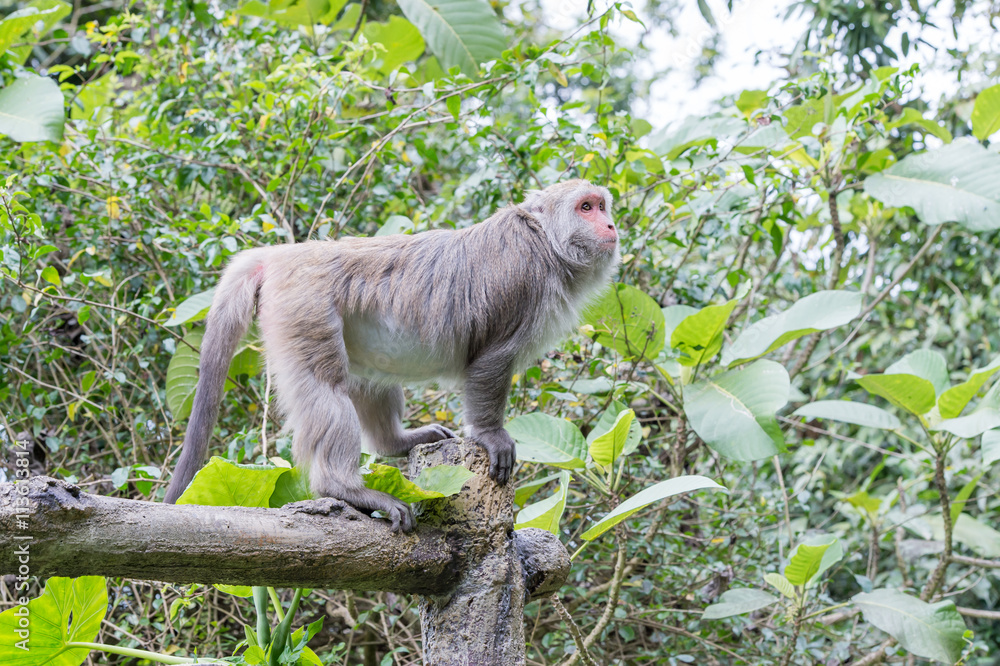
(327, 440)
(380, 410)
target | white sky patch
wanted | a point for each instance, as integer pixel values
(752, 39)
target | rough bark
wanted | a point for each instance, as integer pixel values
(473, 570)
(480, 620)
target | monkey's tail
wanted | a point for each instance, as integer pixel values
(228, 320)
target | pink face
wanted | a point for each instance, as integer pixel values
(592, 208)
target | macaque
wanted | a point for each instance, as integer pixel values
(345, 322)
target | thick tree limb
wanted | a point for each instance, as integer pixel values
(72, 533)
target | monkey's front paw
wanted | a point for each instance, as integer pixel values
(500, 446)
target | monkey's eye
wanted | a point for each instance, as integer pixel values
(586, 205)
(601, 205)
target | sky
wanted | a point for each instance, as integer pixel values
(756, 25)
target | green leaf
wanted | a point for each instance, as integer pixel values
(224, 483)
(182, 375)
(985, 416)
(959, 500)
(862, 500)
(734, 412)
(31, 109)
(986, 113)
(924, 363)
(642, 499)
(628, 321)
(737, 602)
(959, 182)
(911, 116)
(191, 309)
(69, 610)
(781, 584)
(706, 13)
(982, 539)
(606, 448)
(953, 401)
(302, 13)
(990, 447)
(290, 487)
(461, 33)
(401, 39)
(51, 275)
(846, 411)
(396, 224)
(607, 423)
(546, 513)
(833, 554)
(16, 26)
(444, 479)
(699, 336)
(932, 631)
(909, 392)
(804, 563)
(390, 480)
(526, 490)
(545, 439)
(751, 100)
(243, 591)
(817, 312)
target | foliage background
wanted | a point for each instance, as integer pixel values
(193, 130)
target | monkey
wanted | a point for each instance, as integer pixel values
(344, 323)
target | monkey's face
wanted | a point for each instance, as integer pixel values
(594, 209)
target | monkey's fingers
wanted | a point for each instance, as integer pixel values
(401, 518)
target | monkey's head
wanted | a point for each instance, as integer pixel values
(577, 219)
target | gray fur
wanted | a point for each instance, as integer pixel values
(345, 322)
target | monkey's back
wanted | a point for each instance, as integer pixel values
(413, 307)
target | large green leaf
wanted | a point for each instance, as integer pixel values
(224, 483)
(627, 320)
(546, 439)
(846, 411)
(985, 416)
(69, 611)
(193, 308)
(182, 375)
(545, 514)
(924, 363)
(804, 562)
(980, 538)
(444, 479)
(953, 401)
(990, 447)
(959, 182)
(403, 43)
(909, 392)
(932, 631)
(389, 479)
(31, 109)
(20, 26)
(461, 33)
(608, 421)
(816, 312)
(735, 412)
(294, 12)
(738, 601)
(606, 448)
(644, 498)
(182, 371)
(699, 336)
(986, 113)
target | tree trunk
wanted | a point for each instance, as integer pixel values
(473, 571)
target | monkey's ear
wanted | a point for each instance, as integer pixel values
(534, 201)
